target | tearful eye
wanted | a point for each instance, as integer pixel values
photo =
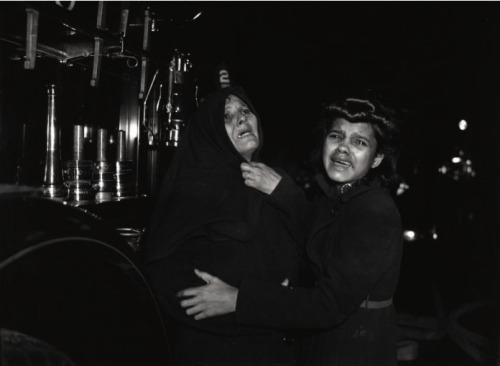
(334, 136)
(361, 143)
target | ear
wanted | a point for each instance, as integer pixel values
(378, 159)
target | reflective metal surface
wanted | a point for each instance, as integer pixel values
(52, 181)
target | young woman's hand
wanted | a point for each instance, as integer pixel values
(213, 299)
(260, 177)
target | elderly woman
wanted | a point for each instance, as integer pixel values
(208, 218)
(354, 245)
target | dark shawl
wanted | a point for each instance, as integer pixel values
(203, 193)
(207, 218)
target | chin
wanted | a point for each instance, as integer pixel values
(338, 178)
(249, 148)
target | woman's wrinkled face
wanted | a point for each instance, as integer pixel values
(241, 126)
(350, 151)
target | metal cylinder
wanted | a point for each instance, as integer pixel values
(78, 141)
(125, 179)
(174, 134)
(120, 150)
(104, 181)
(103, 176)
(78, 175)
(125, 171)
(53, 180)
(102, 144)
(181, 100)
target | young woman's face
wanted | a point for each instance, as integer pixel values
(241, 126)
(349, 151)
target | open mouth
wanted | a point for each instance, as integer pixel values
(244, 134)
(342, 163)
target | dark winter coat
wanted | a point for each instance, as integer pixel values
(355, 247)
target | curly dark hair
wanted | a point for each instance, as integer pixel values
(368, 110)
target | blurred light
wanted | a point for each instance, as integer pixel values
(409, 235)
(197, 15)
(462, 125)
(434, 233)
(459, 167)
(69, 6)
(151, 139)
(132, 128)
(153, 26)
(403, 187)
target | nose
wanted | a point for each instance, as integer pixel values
(343, 148)
(241, 119)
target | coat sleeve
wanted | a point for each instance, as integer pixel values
(175, 273)
(291, 203)
(368, 245)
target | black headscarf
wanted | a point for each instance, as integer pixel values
(203, 192)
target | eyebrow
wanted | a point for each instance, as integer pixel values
(356, 135)
(335, 130)
(242, 105)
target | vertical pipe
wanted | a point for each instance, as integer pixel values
(145, 47)
(31, 38)
(98, 45)
(103, 177)
(78, 142)
(52, 181)
(102, 142)
(125, 173)
(142, 90)
(125, 9)
(120, 152)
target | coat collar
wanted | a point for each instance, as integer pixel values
(345, 192)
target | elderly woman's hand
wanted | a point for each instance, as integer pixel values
(260, 177)
(213, 299)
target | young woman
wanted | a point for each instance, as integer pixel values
(354, 244)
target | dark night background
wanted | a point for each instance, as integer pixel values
(437, 62)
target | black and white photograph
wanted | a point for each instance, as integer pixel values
(249, 183)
